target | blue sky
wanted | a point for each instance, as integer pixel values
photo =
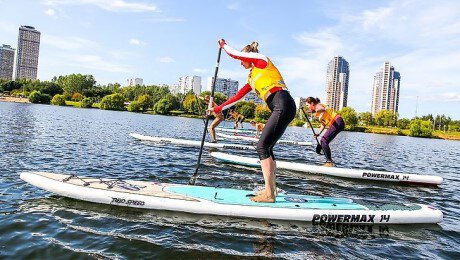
(160, 41)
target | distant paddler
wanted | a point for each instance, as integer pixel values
(259, 127)
(238, 119)
(218, 117)
(328, 119)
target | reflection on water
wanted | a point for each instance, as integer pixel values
(89, 142)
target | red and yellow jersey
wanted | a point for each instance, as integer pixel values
(263, 76)
(262, 80)
(327, 116)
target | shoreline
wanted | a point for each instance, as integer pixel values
(361, 129)
(14, 99)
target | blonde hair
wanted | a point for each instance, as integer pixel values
(251, 47)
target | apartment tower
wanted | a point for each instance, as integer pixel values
(385, 94)
(27, 55)
(338, 73)
(6, 62)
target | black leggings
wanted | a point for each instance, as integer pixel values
(283, 112)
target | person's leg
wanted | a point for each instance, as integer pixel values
(218, 118)
(282, 114)
(327, 138)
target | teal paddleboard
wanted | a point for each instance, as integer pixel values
(243, 198)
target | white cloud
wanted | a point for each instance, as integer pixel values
(421, 39)
(50, 12)
(165, 60)
(109, 5)
(67, 43)
(134, 41)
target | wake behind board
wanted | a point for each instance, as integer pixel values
(190, 142)
(228, 202)
(255, 139)
(335, 171)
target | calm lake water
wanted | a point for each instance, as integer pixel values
(90, 142)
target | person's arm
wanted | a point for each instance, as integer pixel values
(320, 130)
(233, 100)
(259, 60)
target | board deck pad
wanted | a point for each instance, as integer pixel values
(242, 197)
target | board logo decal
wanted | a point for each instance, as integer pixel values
(385, 176)
(120, 201)
(345, 218)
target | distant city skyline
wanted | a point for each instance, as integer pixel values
(160, 41)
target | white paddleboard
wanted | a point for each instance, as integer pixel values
(255, 139)
(238, 130)
(335, 171)
(166, 140)
(228, 202)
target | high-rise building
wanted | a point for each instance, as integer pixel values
(6, 62)
(228, 87)
(190, 83)
(252, 96)
(338, 74)
(135, 82)
(28, 51)
(299, 102)
(385, 93)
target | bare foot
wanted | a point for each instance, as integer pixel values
(263, 198)
(263, 192)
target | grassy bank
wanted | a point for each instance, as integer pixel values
(403, 132)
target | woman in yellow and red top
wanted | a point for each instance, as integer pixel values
(330, 119)
(265, 79)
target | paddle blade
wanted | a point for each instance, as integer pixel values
(318, 149)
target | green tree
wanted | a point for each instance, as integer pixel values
(386, 118)
(58, 100)
(247, 109)
(134, 106)
(365, 118)
(262, 113)
(191, 105)
(75, 83)
(113, 102)
(86, 103)
(403, 123)
(349, 115)
(38, 97)
(219, 98)
(11, 85)
(145, 101)
(166, 104)
(420, 128)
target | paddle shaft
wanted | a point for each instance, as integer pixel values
(311, 126)
(211, 99)
(312, 129)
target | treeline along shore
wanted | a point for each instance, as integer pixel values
(82, 91)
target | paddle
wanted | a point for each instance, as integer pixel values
(193, 178)
(318, 146)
